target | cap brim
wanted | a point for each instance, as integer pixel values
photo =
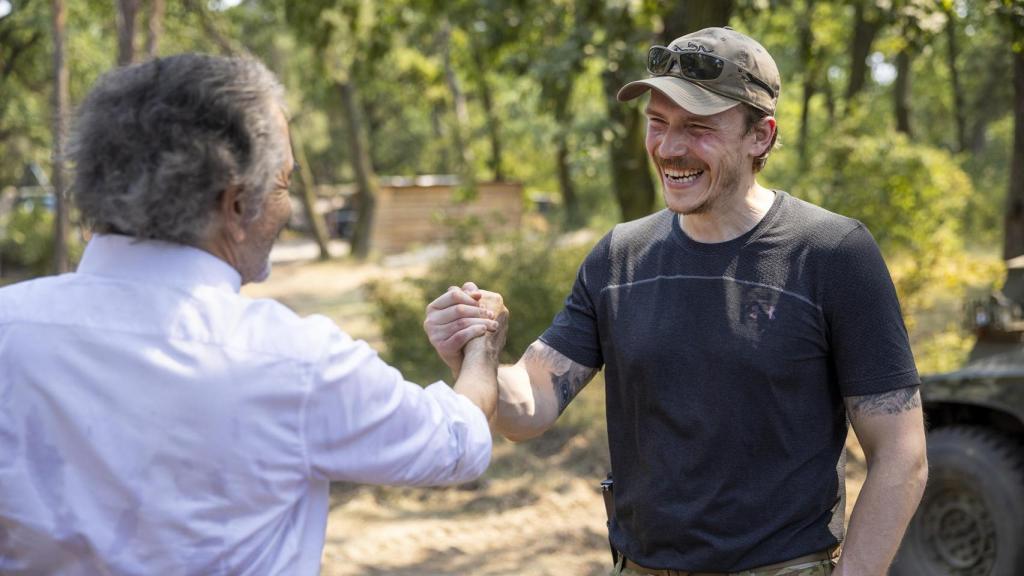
(691, 97)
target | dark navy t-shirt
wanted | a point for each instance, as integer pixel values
(726, 366)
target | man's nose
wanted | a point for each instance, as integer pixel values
(673, 145)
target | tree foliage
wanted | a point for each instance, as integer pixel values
(898, 112)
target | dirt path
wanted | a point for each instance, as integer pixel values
(503, 526)
(537, 510)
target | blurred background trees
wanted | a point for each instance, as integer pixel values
(906, 114)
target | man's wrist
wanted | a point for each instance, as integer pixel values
(455, 365)
(480, 352)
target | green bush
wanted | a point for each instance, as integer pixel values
(534, 275)
(910, 196)
(27, 240)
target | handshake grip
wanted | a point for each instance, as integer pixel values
(491, 343)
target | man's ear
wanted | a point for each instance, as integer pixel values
(765, 132)
(764, 136)
(231, 213)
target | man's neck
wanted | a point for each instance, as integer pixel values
(731, 218)
(216, 242)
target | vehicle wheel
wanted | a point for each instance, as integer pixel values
(971, 518)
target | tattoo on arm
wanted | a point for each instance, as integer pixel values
(894, 402)
(567, 377)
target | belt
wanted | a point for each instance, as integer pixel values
(810, 560)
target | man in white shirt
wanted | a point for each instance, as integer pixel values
(153, 420)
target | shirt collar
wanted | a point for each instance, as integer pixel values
(157, 262)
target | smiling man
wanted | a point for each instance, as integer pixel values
(739, 329)
(155, 421)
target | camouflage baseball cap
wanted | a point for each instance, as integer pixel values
(710, 71)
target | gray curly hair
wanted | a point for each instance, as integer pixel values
(154, 145)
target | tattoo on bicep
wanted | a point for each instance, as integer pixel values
(567, 377)
(894, 402)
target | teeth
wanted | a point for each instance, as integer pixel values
(682, 175)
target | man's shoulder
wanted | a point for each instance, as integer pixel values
(629, 240)
(643, 231)
(813, 224)
(270, 326)
(813, 213)
(208, 314)
(26, 297)
(626, 244)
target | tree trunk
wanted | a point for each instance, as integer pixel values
(493, 123)
(316, 222)
(60, 112)
(830, 100)
(901, 91)
(983, 112)
(952, 51)
(462, 127)
(867, 23)
(570, 202)
(126, 12)
(691, 15)
(1014, 235)
(366, 179)
(810, 77)
(154, 28)
(443, 165)
(573, 216)
(631, 175)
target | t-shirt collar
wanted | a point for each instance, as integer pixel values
(729, 246)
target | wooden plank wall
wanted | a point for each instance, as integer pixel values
(408, 216)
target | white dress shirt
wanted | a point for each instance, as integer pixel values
(154, 421)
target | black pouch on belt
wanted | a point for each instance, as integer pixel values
(609, 507)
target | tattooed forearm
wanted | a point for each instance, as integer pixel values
(569, 384)
(567, 377)
(893, 402)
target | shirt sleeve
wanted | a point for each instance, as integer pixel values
(869, 342)
(574, 331)
(365, 423)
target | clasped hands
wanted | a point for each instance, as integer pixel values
(466, 321)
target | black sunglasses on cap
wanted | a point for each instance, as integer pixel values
(697, 66)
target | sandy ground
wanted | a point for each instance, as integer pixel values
(537, 511)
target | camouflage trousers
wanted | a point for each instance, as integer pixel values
(816, 568)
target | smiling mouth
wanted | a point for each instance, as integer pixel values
(682, 176)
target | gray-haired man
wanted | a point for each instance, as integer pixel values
(154, 421)
(738, 330)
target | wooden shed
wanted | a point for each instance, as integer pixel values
(412, 211)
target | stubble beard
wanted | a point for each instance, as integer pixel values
(727, 187)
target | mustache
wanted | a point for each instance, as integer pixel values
(678, 163)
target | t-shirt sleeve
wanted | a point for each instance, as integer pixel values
(365, 423)
(574, 331)
(868, 338)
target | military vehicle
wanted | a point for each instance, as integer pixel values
(971, 518)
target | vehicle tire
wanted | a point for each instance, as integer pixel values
(971, 518)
